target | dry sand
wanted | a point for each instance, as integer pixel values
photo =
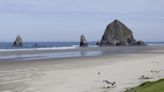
(83, 74)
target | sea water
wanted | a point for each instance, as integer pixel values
(7, 47)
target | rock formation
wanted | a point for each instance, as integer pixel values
(139, 43)
(18, 42)
(83, 41)
(98, 43)
(117, 33)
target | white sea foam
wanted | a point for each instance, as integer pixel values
(48, 48)
(155, 44)
(45, 48)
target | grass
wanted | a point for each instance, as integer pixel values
(156, 86)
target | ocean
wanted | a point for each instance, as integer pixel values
(55, 45)
(49, 50)
(46, 45)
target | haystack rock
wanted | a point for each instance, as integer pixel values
(18, 42)
(117, 33)
(83, 41)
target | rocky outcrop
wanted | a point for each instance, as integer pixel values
(139, 43)
(18, 42)
(116, 33)
(98, 43)
(83, 41)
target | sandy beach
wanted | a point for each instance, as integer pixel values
(122, 65)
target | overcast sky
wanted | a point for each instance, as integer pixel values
(66, 20)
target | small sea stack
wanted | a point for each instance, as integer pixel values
(116, 33)
(18, 41)
(83, 41)
(139, 43)
(98, 43)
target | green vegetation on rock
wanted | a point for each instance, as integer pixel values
(157, 86)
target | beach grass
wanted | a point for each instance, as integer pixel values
(156, 86)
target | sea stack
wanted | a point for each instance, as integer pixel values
(83, 41)
(18, 42)
(116, 33)
(98, 43)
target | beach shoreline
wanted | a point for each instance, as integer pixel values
(84, 74)
(46, 54)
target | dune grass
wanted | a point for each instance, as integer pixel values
(156, 86)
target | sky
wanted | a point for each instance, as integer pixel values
(67, 20)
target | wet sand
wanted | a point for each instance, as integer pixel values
(123, 65)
